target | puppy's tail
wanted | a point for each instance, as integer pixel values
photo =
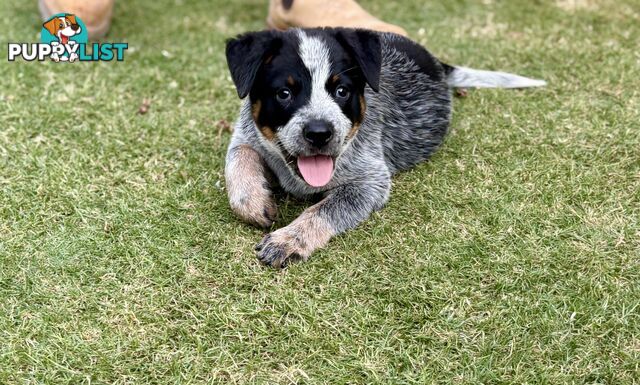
(459, 77)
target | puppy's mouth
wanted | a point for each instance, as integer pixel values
(316, 170)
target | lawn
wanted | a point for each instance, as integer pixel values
(513, 256)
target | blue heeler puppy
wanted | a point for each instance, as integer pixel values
(333, 112)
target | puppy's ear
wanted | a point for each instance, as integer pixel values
(245, 55)
(51, 26)
(71, 18)
(366, 49)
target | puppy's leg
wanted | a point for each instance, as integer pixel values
(344, 208)
(248, 188)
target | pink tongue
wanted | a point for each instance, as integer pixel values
(316, 170)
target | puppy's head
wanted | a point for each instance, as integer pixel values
(306, 89)
(63, 27)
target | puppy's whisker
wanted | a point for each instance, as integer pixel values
(280, 146)
(347, 70)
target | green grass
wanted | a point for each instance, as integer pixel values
(511, 257)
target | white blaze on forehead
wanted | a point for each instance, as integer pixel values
(316, 56)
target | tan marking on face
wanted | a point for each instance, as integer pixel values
(268, 59)
(290, 80)
(335, 78)
(358, 122)
(354, 130)
(265, 130)
(255, 109)
(246, 181)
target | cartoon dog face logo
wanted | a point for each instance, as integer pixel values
(63, 27)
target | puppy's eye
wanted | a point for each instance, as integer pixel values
(342, 92)
(283, 95)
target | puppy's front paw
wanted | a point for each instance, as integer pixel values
(279, 248)
(256, 207)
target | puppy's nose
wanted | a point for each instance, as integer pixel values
(318, 132)
(75, 27)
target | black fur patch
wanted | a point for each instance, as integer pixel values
(285, 69)
(425, 61)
